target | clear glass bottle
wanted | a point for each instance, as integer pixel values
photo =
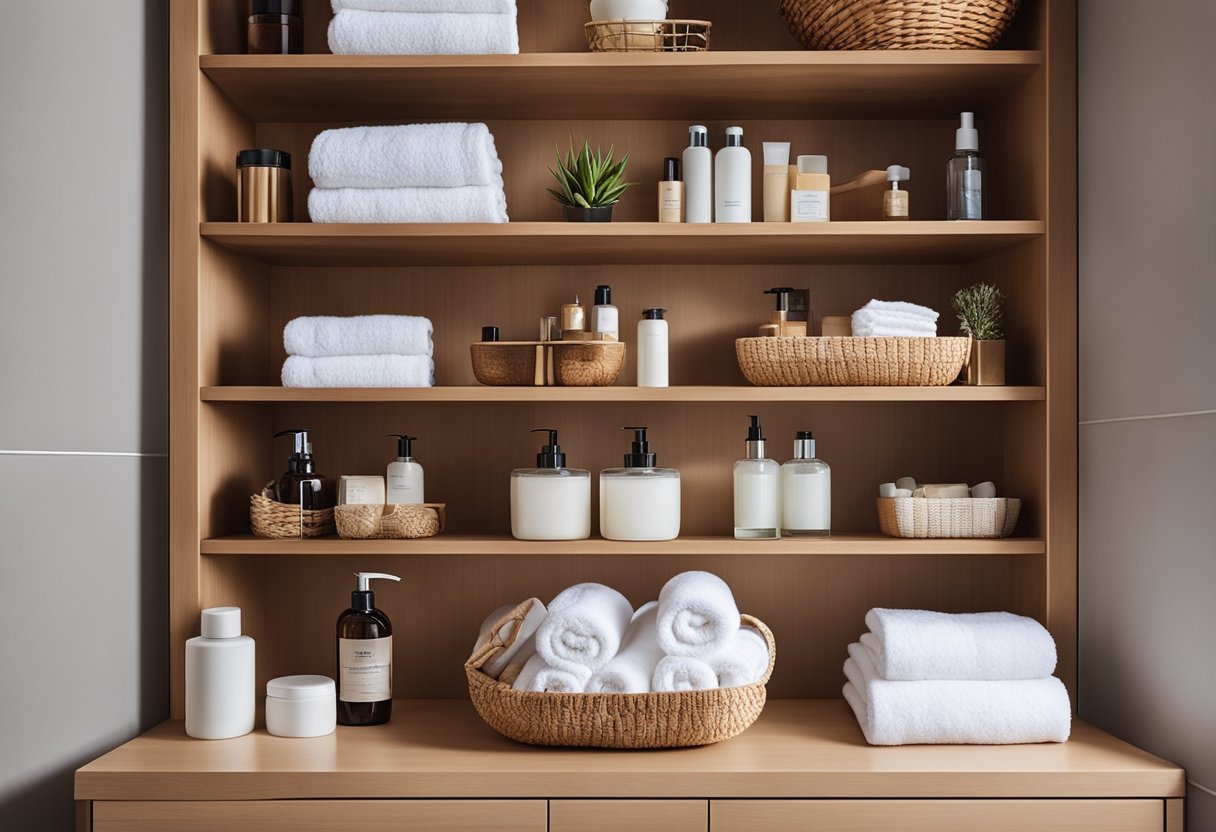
(965, 174)
(640, 501)
(550, 501)
(757, 491)
(806, 491)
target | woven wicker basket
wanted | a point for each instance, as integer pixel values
(975, 517)
(568, 363)
(390, 522)
(615, 720)
(268, 518)
(648, 35)
(793, 361)
(898, 24)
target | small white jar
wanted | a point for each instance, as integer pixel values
(301, 706)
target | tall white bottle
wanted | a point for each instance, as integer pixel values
(757, 490)
(652, 349)
(806, 491)
(220, 686)
(733, 180)
(405, 475)
(698, 177)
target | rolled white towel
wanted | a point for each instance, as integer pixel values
(446, 155)
(743, 661)
(914, 645)
(674, 673)
(537, 676)
(355, 32)
(514, 634)
(428, 6)
(328, 336)
(584, 627)
(949, 712)
(697, 615)
(986, 489)
(902, 308)
(632, 669)
(472, 203)
(359, 371)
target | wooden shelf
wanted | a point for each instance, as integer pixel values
(595, 244)
(441, 749)
(454, 544)
(608, 395)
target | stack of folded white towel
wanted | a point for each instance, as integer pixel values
(590, 639)
(363, 351)
(424, 27)
(405, 174)
(979, 678)
(884, 319)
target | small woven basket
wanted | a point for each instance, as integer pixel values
(974, 517)
(390, 522)
(793, 361)
(648, 35)
(898, 24)
(268, 518)
(614, 720)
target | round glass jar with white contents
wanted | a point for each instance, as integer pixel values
(301, 706)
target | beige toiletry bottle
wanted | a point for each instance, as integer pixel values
(810, 200)
(781, 323)
(574, 321)
(671, 192)
(776, 181)
(895, 201)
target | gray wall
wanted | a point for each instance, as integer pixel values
(1148, 381)
(82, 369)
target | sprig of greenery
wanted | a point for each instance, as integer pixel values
(589, 179)
(979, 312)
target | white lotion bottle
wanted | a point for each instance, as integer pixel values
(652, 349)
(640, 501)
(733, 180)
(605, 318)
(550, 501)
(757, 490)
(221, 695)
(698, 177)
(405, 476)
(806, 491)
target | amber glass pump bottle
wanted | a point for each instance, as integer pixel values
(365, 658)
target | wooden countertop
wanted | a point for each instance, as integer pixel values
(798, 748)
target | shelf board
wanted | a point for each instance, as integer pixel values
(623, 243)
(455, 544)
(442, 749)
(698, 87)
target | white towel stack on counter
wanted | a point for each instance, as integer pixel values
(410, 173)
(424, 27)
(978, 678)
(886, 319)
(363, 351)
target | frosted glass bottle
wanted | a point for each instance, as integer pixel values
(698, 177)
(550, 501)
(733, 180)
(220, 684)
(757, 491)
(965, 174)
(806, 491)
(640, 501)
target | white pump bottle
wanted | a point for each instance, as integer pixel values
(405, 476)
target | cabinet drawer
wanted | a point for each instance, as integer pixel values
(320, 816)
(628, 816)
(936, 815)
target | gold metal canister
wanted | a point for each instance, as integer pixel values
(263, 186)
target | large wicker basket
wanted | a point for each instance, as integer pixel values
(793, 361)
(898, 24)
(398, 522)
(614, 720)
(970, 517)
(268, 518)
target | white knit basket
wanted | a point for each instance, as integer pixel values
(983, 517)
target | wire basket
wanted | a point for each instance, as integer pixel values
(648, 35)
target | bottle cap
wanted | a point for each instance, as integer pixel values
(550, 455)
(489, 334)
(898, 173)
(653, 314)
(966, 137)
(804, 445)
(405, 445)
(640, 457)
(700, 135)
(603, 295)
(783, 297)
(671, 169)
(734, 137)
(221, 622)
(812, 164)
(300, 688)
(755, 439)
(264, 157)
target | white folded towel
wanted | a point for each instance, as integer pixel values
(902, 308)
(328, 336)
(674, 673)
(697, 615)
(539, 677)
(355, 32)
(914, 645)
(584, 627)
(965, 712)
(359, 371)
(473, 203)
(446, 155)
(632, 669)
(517, 636)
(879, 327)
(428, 6)
(743, 661)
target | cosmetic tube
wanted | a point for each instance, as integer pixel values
(776, 181)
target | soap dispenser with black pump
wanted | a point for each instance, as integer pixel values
(405, 476)
(301, 485)
(781, 323)
(365, 657)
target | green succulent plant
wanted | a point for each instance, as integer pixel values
(589, 179)
(979, 312)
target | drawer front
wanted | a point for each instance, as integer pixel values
(320, 816)
(936, 815)
(628, 816)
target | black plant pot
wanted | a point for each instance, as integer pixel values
(576, 214)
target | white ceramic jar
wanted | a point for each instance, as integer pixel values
(628, 9)
(301, 706)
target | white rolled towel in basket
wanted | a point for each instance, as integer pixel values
(697, 615)
(584, 628)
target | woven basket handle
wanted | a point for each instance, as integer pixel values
(769, 639)
(495, 644)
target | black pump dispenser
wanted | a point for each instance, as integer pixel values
(405, 446)
(641, 457)
(550, 455)
(301, 461)
(783, 297)
(603, 295)
(755, 439)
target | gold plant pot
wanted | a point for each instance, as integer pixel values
(986, 366)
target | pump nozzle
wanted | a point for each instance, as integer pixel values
(550, 455)
(363, 599)
(783, 297)
(366, 577)
(966, 137)
(897, 174)
(640, 457)
(302, 445)
(300, 461)
(755, 433)
(405, 445)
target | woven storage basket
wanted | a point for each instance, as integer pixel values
(793, 361)
(944, 518)
(898, 24)
(268, 518)
(648, 35)
(614, 720)
(390, 522)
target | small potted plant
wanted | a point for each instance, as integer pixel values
(980, 318)
(591, 183)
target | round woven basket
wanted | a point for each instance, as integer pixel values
(268, 518)
(389, 522)
(898, 24)
(792, 361)
(975, 517)
(616, 720)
